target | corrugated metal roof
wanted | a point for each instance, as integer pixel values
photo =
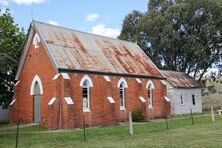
(71, 49)
(180, 79)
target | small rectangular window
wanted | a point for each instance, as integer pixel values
(181, 100)
(193, 100)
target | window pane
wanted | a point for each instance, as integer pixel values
(193, 98)
(122, 97)
(181, 100)
(85, 93)
(85, 98)
(149, 94)
(86, 83)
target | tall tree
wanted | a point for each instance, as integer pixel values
(183, 35)
(11, 42)
(130, 26)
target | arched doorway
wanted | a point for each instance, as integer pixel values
(37, 104)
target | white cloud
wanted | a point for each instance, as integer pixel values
(53, 22)
(21, 2)
(101, 29)
(28, 2)
(92, 17)
(4, 2)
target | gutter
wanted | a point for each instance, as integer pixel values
(66, 70)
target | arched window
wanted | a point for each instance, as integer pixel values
(122, 85)
(181, 100)
(122, 95)
(150, 88)
(86, 83)
(36, 41)
(36, 91)
(85, 93)
(37, 88)
(193, 99)
(36, 83)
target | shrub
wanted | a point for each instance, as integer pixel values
(137, 115)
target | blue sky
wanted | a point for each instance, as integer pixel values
(102, 17)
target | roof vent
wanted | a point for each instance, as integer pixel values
(36, 41)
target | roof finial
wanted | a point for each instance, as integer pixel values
(32, 13)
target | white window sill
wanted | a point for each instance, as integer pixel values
(36, 46)
(86, 110)
(150, 106)
(122, 108)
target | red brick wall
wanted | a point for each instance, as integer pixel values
(36, 62)
(101, 111)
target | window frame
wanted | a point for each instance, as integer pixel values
(122, 84)
(150, 87)
(122, 96)
(193, 99)
(87, 89)
(36, 41)
(181, 100)
(150, 96)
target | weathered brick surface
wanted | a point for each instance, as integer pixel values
(36, 62)
(102, 112)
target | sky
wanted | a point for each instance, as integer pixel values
(103, 17)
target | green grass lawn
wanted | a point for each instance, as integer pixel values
(182, 133)
(4, 125)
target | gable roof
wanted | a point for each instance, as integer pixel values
(74, 50)
(180, 79)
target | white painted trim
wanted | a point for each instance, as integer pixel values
(122, 108)
(150, 106)
(45, 45)
(86, 110)
(163, 82)
(69, 100)
(36, 79)
(150, 83)
(111, 100)
(13, 101)
(86, 77)
(65, 76)
(52, 101)
(25, 51)
(17, 83)
(36, 40)
(32, 29)
(107, 78)
(138, 81)
(56, 76)
(142, 99)
(120, 81)
(167, 99)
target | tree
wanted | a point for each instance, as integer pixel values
(183, 35)
(130, 26)
(11, 43)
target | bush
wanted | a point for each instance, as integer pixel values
(137, 115)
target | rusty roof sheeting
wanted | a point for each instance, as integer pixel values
(180, 79)
(73, 49)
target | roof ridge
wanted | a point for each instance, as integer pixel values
(172, 70)
(35, 21)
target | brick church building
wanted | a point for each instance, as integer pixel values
(64, 74)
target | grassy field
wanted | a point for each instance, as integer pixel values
(181, 133)
(213, 99)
